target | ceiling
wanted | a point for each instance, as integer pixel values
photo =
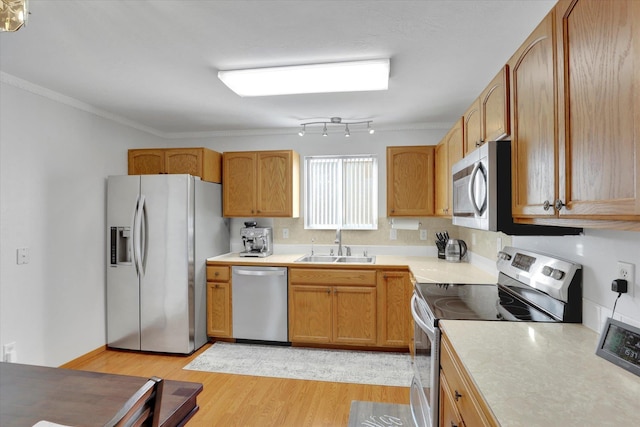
(154, 62)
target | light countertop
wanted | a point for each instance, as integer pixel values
(544, 374)
(424, 269)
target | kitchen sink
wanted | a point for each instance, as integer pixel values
(337, 259)
(317, 258)
(357, 259)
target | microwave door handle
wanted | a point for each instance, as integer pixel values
(472, 195)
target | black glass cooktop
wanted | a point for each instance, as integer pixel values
(477, 302)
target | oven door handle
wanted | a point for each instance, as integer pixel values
(429, 330)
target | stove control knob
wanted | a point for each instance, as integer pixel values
(557, 274)
(546, 270)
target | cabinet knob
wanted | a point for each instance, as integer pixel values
(329, 291)
(559, 205)
(546, 205)
(457, 395)
(453, 424)
(217, 273)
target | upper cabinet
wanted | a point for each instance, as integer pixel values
(533, 112)
(472, 127)
(410, 181)
(576, 128)
(261, 184)
(598, 45)
(200, 162)
(447, 153)
(487, 118)
(494, 107)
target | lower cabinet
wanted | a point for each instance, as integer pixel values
(460, 402)
(395, 324)
(219, 302)
(331, 306)
(334, 306)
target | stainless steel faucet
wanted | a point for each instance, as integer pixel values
(339, 241)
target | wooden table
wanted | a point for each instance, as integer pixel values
(29, 394)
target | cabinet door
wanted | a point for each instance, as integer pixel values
(310, 313)
(219, 309)
(274, 185)
(239, 192)
(184, 160)
(410, 181)
(354, 315)
(494, 105)
(442, 175)
(146, 162)
(448, 152)
(449, 415)
(533, 110)
(394, 310)
(599, 72)
(472, 127)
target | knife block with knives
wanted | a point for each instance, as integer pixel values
(441, 243)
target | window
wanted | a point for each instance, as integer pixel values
(341, 192)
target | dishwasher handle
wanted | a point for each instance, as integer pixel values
(241, 272)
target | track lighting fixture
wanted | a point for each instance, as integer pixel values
(337, 121)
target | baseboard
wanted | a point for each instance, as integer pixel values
(84, 358)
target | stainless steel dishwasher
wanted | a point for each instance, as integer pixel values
(260, 301)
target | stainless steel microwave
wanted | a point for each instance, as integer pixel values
(482, 193)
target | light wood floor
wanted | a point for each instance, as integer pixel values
(237, 400)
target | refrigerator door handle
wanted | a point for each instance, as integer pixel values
(138, 236)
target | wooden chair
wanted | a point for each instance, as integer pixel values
(142, 409)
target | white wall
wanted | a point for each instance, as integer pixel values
(598, 251)
(54, 159)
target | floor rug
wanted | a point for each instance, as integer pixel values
(376, 414)
(361, 367)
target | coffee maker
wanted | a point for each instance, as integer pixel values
(257, 241)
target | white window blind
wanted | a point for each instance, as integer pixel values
(341, 192)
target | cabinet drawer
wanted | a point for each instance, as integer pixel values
(218, 273)
(317, 276)
(466, 397)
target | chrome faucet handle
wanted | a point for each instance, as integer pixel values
(348, 248)
(312, 241)
(364, 253)
(331, 251)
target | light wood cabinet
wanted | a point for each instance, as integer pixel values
(261, 184)
(330, 306)
(533, 110)
(576, 155)
(472, 127)
(410, 181)
(449, 415)
(598, 46)
(219, 303)
(200, 162)
(487, 118)
(494, 107)
(447, 153)
(394, 309)
(459, 398)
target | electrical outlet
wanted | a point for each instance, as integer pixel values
(627, 271)
(9, 353)
(423, 234)
(285, 233)
(393, 234)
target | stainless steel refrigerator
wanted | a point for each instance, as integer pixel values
(160, 231)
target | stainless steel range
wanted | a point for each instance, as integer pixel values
(531, 287)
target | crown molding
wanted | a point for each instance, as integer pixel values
(83, 106)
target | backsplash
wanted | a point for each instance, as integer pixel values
(481, 243)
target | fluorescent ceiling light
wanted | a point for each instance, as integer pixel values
(316, 78)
